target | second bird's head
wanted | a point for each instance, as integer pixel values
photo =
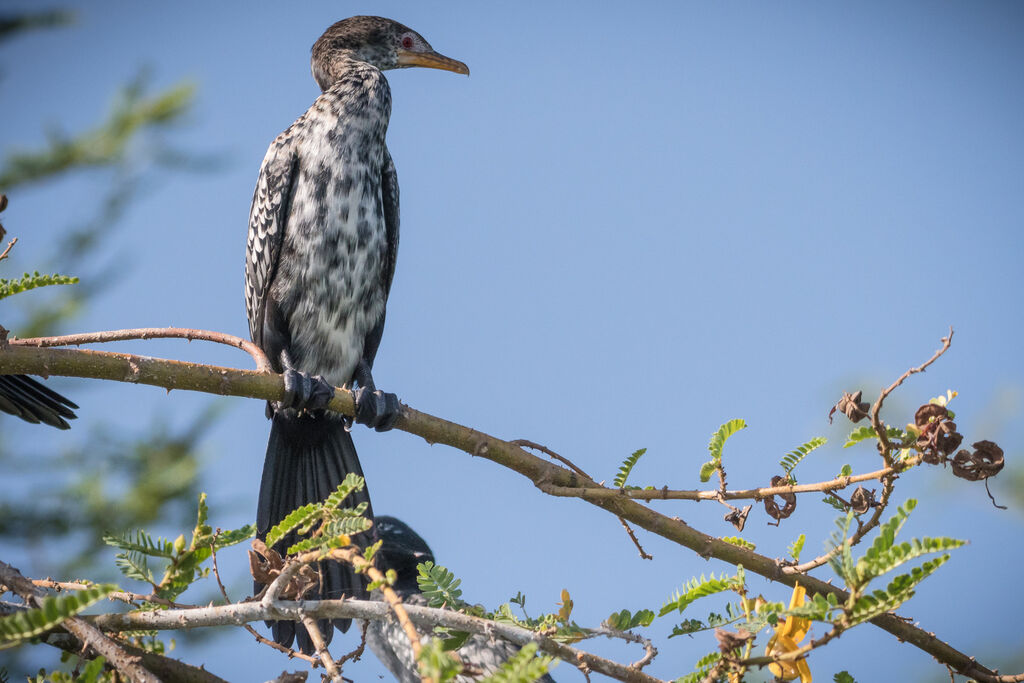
(384, 43)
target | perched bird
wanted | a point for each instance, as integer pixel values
(402, 549)
(33, 402)
(320, 256)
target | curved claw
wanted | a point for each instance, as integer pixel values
(303, 392)
(376, 409)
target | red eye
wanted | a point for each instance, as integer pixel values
(407, 42)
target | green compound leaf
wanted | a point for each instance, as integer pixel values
(624, 620)
(352, 482)
(716, 445)
(297, 518)
(899, 590)
(27, 282)
(440, 587)
(793, 458)
(796, 547)
(626, 467)
(51, 613)
(698, 588)
(741, 542)
(868, 432)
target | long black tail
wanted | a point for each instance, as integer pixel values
(307, 457)
(31, 401)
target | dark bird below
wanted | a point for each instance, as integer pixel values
(33, 402)
(320, 257)
(401, 550)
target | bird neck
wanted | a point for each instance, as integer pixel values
(337, 67)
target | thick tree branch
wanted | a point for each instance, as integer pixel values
(266, 386)
(424, 617)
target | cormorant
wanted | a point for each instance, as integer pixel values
(320, 256)
(34, 402)
(402, 549)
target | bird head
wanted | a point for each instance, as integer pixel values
(402, 549)
(384, 43)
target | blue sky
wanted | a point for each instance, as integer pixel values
(627, 226)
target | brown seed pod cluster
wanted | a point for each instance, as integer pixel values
(938, 436)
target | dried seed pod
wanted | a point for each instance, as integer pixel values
(986, 461)
(938, 437)
(852, 407)
(729, 641)
(773, 509)
(738, 518)
(862, 500)
(928, 412)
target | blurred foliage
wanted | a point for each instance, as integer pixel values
(71, 489)
(13, 24)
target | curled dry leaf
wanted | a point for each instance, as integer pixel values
(738, 517)
(266, 564)
(729, 641)
(772, 508)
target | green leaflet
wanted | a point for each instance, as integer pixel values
(899, 590)
(868, 432)
(796, 547)
(842, 562)
(624, 621)
(523, 667)
(699, 588)
(887, 560)
(27, 282)
(182, 559)
(741, 542)
(352, 482)
(793, 458)
(301, 517)
(701, 668)
(626, 467)
(716, 445)
(51, 613)
(439, 586)
(843, 677)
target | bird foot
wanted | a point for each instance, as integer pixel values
(304, 392)
(376, 409)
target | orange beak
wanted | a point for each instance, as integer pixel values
(431, 60)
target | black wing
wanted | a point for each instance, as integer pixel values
(34, 402)
(271, 202)
(389, 202)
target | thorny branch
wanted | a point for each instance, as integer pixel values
(17, 358)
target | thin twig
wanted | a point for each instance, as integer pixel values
(876, 409)
(8, 249)
(632, 536)
(262, 363)
(526, 443)
(321, 649)
(353, 557)
(355, 654)
(259, 638)
(123, 596)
